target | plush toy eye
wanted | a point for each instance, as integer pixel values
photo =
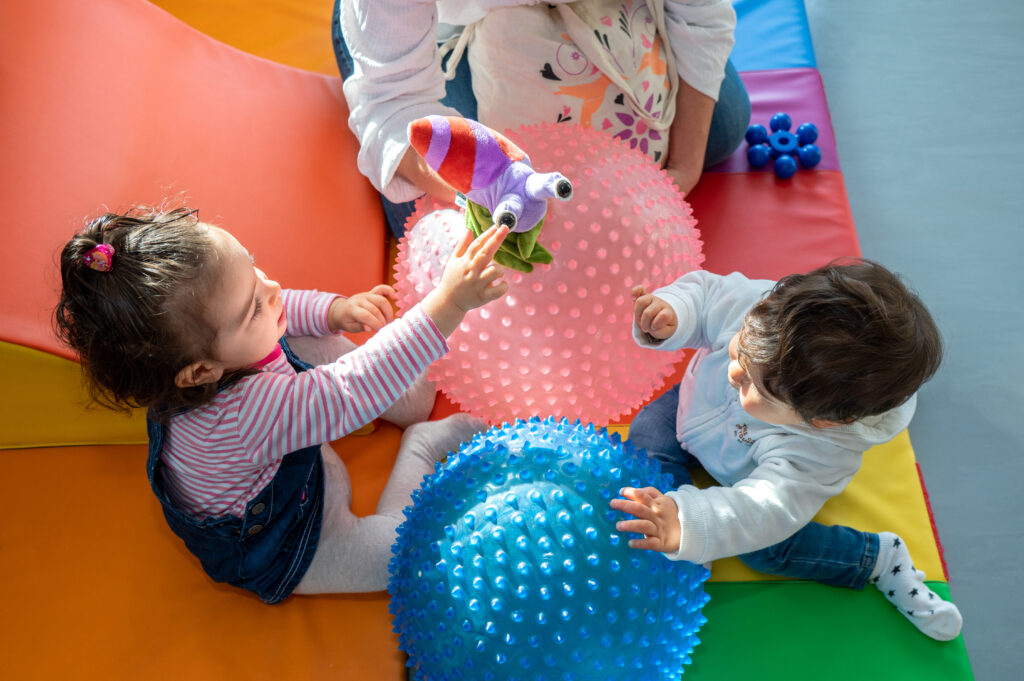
(508, 219)
(564, 190)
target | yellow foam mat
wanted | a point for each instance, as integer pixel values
(43, 404)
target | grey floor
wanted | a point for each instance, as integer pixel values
(926, 101)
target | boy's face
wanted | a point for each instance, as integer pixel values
(247, 310)
(744, 378)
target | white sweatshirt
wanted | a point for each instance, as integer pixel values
(774, 478)
(397, 73)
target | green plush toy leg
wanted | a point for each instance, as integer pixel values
(518, 250)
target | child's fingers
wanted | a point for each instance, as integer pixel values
(492, 272)
(487, 245)
(370, 318)
(644, 494)
(649, 543)
(495, 291)
(384, 290)
(383, 305)
(638, 526)
(662, 320)
(464, 244)
(637, 291)
(641, 305)
(633, 508)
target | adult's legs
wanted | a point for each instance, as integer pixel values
(458, 95)
(730, 119)
(353, 553)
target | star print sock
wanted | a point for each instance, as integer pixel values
(895, 576)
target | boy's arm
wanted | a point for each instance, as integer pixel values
(709, 309)
(778, 498)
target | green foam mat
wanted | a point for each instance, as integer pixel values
(797, 631)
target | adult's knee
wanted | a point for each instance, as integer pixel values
(730, 119)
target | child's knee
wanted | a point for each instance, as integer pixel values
(438, 438)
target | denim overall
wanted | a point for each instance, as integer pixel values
(269, 549)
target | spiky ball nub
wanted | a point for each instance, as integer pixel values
(508, 566)
(559, 342)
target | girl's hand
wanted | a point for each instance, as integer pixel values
(653, 315)
(470, 279)
(656, 517)
(368, 311)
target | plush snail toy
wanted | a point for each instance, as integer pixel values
(495, 181)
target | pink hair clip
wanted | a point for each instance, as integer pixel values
(99, 257)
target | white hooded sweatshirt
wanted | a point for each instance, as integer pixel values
(774, 478)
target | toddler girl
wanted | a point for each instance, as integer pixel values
(170, 313)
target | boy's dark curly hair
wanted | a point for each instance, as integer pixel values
(842, 342)
(136, 326)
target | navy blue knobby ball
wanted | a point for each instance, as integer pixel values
(509, 567)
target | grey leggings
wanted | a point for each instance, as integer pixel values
(353, 552)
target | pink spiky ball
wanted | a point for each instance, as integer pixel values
(560, 343)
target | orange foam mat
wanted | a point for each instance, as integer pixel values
(99, 588)
(111, 103)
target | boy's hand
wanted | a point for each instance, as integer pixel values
(656, 517)
(368, 311)
(470, 279)
(653, 315)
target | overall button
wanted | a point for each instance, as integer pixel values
(255, 529)
(258, 508)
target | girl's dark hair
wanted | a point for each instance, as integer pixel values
(845, 341)
(137, 325)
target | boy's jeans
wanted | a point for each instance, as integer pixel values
(830, 554)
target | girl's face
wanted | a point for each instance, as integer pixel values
(744, 379)
(247, 312)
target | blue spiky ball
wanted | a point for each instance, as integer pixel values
(509, 567)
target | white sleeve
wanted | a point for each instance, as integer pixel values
(778, 498)
(396, 79)
(701, 35)
(709, 309)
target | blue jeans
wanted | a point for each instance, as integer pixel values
(830, 554)
(728, 122)
(267, 550)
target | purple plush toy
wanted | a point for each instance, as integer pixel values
(488, 170)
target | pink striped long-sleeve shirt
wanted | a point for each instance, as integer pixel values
(222, 454)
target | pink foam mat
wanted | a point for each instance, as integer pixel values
(798, 92)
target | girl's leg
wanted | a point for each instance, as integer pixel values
(654, 430)
(353, 553)
(413, 406)
(458, 95)
(842, 556)
(730, 119)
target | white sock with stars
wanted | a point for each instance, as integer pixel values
(895, 576)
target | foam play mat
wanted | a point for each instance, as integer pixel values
(236, 106)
